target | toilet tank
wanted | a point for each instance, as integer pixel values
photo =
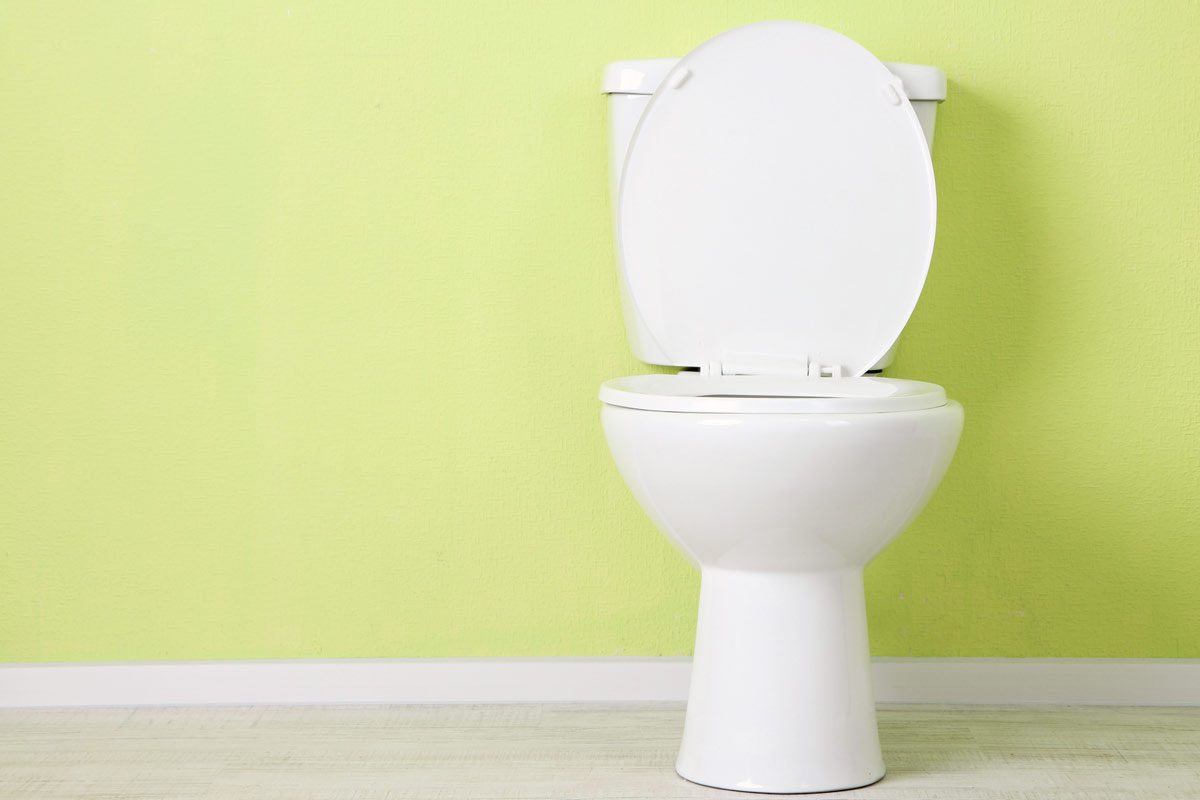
(629, 85)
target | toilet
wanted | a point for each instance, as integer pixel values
(775, 213)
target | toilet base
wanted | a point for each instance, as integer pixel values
(780, 698)
(776, 791)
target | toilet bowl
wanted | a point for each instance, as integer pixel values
(775, 218)
(780, 501)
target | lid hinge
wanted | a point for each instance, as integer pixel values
(761, 364)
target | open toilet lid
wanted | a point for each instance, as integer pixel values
(777, 203)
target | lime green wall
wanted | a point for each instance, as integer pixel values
(304, 311)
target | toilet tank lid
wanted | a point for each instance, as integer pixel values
(642, 76)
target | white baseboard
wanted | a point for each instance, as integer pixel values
(584, 680)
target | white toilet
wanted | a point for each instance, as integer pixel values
(775, 214)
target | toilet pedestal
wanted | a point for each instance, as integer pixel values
(781, 696)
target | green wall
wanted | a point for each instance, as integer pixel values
(304, 312)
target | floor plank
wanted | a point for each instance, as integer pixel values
(567, 752)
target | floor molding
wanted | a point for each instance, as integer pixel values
(1099, 681)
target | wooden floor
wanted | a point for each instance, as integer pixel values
(564, 751)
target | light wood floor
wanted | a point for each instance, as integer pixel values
(565, 751)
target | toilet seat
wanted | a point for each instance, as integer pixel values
(770, 394)
(777, 205)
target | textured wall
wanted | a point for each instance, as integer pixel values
(304, 310)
